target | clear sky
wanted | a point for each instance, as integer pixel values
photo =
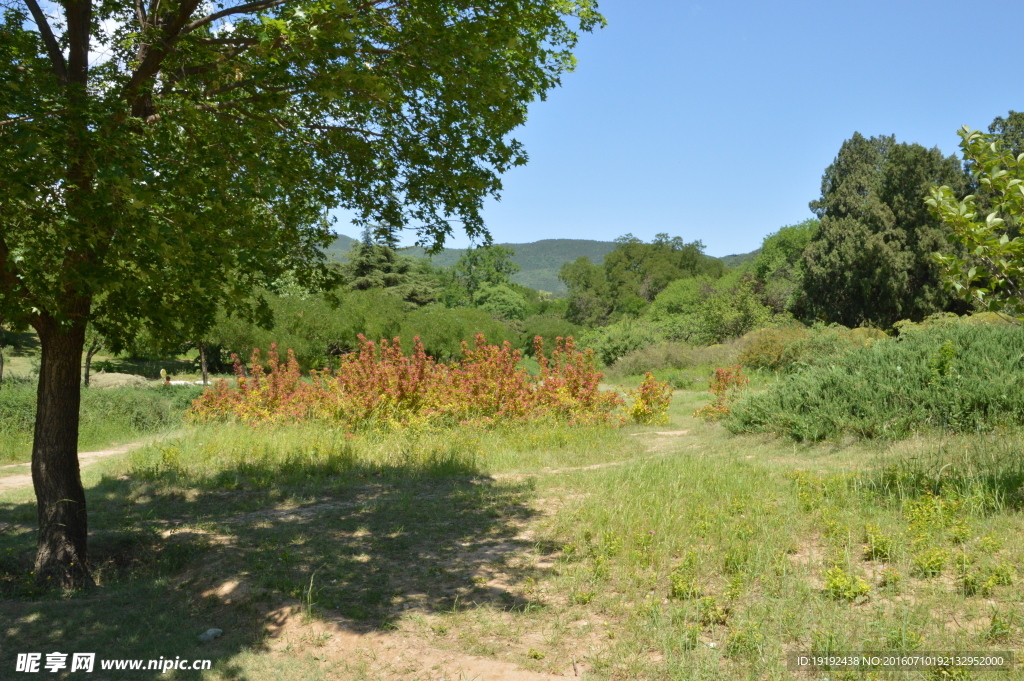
(715, 120)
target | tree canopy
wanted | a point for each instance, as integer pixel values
(160, 160)
(870, 261)
(632, 276)
(990, 267)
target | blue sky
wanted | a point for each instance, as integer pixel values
(715, 120)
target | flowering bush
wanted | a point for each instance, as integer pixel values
(379, 385)
(650, 401)
(725, 385)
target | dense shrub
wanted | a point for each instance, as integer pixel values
(700, 311)
(960, 377)
(547, 326)
(650, 401)
(672, 356)
(788, 347)
(615, 341)
(442, 331)
(380, 386)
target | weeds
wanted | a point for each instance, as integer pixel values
(379, 386)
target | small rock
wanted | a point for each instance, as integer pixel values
(209, 635)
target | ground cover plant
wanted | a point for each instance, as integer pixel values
(957, 377)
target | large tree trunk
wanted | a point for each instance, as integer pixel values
(1, 364)
(63, 530)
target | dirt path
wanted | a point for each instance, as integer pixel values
(19, 480)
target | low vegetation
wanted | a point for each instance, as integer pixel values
(114, 415)
(959, 377)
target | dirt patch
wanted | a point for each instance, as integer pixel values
(386, 656)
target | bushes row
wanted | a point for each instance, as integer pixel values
(959, 377)
(106, 415)
(319, 330)
(379, 386)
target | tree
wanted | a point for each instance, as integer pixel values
(93, 344)
(197, 159)
(870, 262)
(502, 301)
(588, 292)
(779, 267)
(488, 265)
(378, 266)
(632, 276)
(991, 269)
(1009, 131)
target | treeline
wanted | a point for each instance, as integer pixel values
(866, 259)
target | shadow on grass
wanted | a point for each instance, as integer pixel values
(366, 545)
(149, 368)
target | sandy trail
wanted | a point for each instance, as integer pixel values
(19, 480)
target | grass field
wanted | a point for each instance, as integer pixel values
(632, 553)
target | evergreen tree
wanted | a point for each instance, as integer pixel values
(870, 262)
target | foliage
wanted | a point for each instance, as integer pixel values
(700, 311)
(112, 415)
(990, 267)
(378, 266)
(959, 377)
(650, 401)
(841, 585)
(619, 339)
(789, 348)
(1010, 131)
(502, 301)
(870, 261)
(779, 267)
(380, 387)
(547, 326)
(631, 277)
(484, 266)
(726, 385)
(443, 331)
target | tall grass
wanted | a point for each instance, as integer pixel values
(960, 378)
(113, 415)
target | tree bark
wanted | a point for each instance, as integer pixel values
(202, 361)
(93, 349)
(62, 558)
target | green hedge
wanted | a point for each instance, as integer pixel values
(117, 414)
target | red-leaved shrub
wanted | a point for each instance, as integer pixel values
(379, 385)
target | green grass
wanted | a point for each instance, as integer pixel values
(632, 554)
(115, 415)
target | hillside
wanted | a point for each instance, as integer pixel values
(539, 261)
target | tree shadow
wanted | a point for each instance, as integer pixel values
(148, 368)
(366, 546)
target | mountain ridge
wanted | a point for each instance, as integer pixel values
(539, 261)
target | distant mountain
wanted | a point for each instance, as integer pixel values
(340, 246)
(539, 261)
(740, 259)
